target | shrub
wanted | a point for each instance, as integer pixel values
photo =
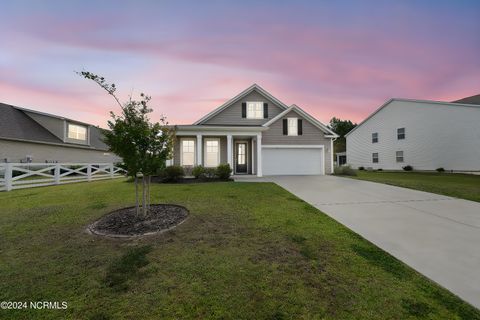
(210, 173)
(361, 168)
(198, 172)
(344, 171)
(173, 173)
(407, 168)
(379, 169)
(440, 170)
(224, 171)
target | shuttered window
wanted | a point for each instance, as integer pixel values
(292, 126)
(255, 110)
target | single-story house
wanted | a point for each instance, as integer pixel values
(257, 134)
(424, 134)
(32, 136)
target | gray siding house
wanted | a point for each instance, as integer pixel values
(257, 134)
(424, 134)
(32, 136)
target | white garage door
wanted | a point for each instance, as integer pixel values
(292, 161)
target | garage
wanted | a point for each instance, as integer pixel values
(294, 160)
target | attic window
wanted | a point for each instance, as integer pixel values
(255, 110)
(77, 132)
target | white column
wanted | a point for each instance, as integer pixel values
(199, 149)
(331, 156)
(259, 155)
(254, 154)
(229, 151)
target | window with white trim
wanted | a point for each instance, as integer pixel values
(292, 126)
(255, 110)
(187, 154)
(77, 132)
(401, 133)
(212, 152)
(375, 137)
(375, 157)
(399, 156)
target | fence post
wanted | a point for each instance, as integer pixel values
(89, 172)
(8, 176)
(56, 174)
(111, 171)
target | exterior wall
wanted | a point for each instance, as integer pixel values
(54, 125)
(233, 114)
(223, 148)
(311, 136)
(436, 136)
(15, 151)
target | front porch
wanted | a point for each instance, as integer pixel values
(210, 146)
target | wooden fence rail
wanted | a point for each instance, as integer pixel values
(29, 175)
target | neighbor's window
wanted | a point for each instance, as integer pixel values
(292, 126)
(375, 137)
(212, 152)
(401, 133)
(187, 152)
(255, 110)
(399, 156)
(375, 157)
(77, 132)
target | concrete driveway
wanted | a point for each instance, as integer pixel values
(438, 236)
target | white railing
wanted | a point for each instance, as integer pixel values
(29, 175)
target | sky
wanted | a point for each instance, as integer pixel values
(331, 58)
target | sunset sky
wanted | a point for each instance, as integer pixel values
(332, 58)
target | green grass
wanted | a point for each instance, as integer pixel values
(464, 186)
(247, 251)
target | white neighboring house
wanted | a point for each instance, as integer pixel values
(424, 134)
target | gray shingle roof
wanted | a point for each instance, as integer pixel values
(15, 124)
(469, 100)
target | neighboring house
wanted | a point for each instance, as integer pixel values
(424, 134)
(32, 136)
(259, 135)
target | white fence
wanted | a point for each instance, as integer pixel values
(29, 175)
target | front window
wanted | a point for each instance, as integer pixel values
(375, 157)
(77, 132)
(292, 126)
(375, 137)
(401, 133)
(212, 152)
(255, 110)
(187, 152)
(399, 156)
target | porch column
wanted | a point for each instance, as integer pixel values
(259, 155)
(199, 150)
(229, 151)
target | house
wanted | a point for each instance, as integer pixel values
(32, 136)
(424, 134)
(257, 134)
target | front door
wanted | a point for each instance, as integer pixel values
(241, 157)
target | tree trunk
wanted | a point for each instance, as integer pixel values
(137, 210)
(144, 196)
(149, 194)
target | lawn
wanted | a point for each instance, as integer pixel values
(247, 251)
(465, 186)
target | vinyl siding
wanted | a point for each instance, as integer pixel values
(446, 136)
(233, 114)
(15, 151)
(311, 136)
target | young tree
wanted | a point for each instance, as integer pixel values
(144, 146)
(341, 127)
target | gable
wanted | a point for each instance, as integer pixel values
(232, 114)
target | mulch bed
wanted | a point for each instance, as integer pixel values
(126, 223)
(189, 180)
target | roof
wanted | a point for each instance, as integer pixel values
(238, 97)
(304, 114)
(15, 124)
(453, 104)
(469, 100)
